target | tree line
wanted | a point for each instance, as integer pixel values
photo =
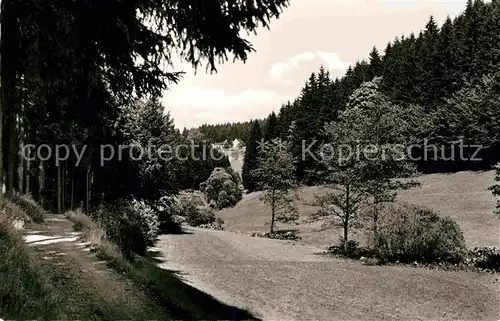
(229, 131)
(446, 73)
(87, 73)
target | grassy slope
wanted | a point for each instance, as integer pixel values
(163, 288)
(280, 281)
(463, 196)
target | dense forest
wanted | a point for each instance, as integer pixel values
(448, 73)
(228, 131)
(79, 79)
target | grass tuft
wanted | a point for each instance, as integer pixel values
(24, 290)
(29, 206)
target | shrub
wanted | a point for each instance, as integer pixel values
(219, 221)
(146, 218)
(169, 210)
(193, 208)
(408, 233)
(352, 250)
(132, 225)
(485, 258)
(12, 211)
(200, 215)
(195, 197)
(222, 188)
(29, 206)
(278, 235)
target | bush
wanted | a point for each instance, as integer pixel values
(278, 235)
(219, 221)
(485, 258)
(169, 210)
(132, 225)
(408, 233)
(200, 216)
(353, 250)
(195, 197)
(29, 206)
(222, 188)
(192, 208)
(13, 212)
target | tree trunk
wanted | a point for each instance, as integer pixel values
(273, 212)
(59, 190)
(347, 216)
(20, 170)
(63, 186)
(375, 222)
(41, 182)
(87, 189)
(72, 188)
(346, 234)
(11, 153)
(1, 140)
(27, 177)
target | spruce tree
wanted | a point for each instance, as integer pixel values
(375, 63)
(251, 155)
(446, 50)
(271, 127)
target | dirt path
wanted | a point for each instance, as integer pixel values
(93, 290)
(279, 281)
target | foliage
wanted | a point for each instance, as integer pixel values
(168, 209)
(350, 250)
(226, 132)
(495, 189)
(193, 207)
(469, 113)
(251, 155)
(132, 225)
(363, 156)
(69, 72)
(278, 235)
(29, 206)
(408, 233)
(485, 258)
(271, 128)
(147, 125)
(199, 161)
(419, 73)
(196, 216)
(222, 188)
(25, 291)
(219, 221)
(275, 174)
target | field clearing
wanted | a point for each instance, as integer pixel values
(463, 196)
(282, 280)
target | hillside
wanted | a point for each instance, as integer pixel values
(463, 196)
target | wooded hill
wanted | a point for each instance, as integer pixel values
(448, 73)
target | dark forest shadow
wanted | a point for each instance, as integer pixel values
(180, 300)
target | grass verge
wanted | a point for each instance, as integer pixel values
(29, 206)
(25, 292)
(179, 300)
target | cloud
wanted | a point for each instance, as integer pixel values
(192, 106)
(281, 69)
(217, 99)
(333, 60)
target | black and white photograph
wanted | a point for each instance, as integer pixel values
(274, 160)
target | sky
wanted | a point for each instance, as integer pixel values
(310, 33)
